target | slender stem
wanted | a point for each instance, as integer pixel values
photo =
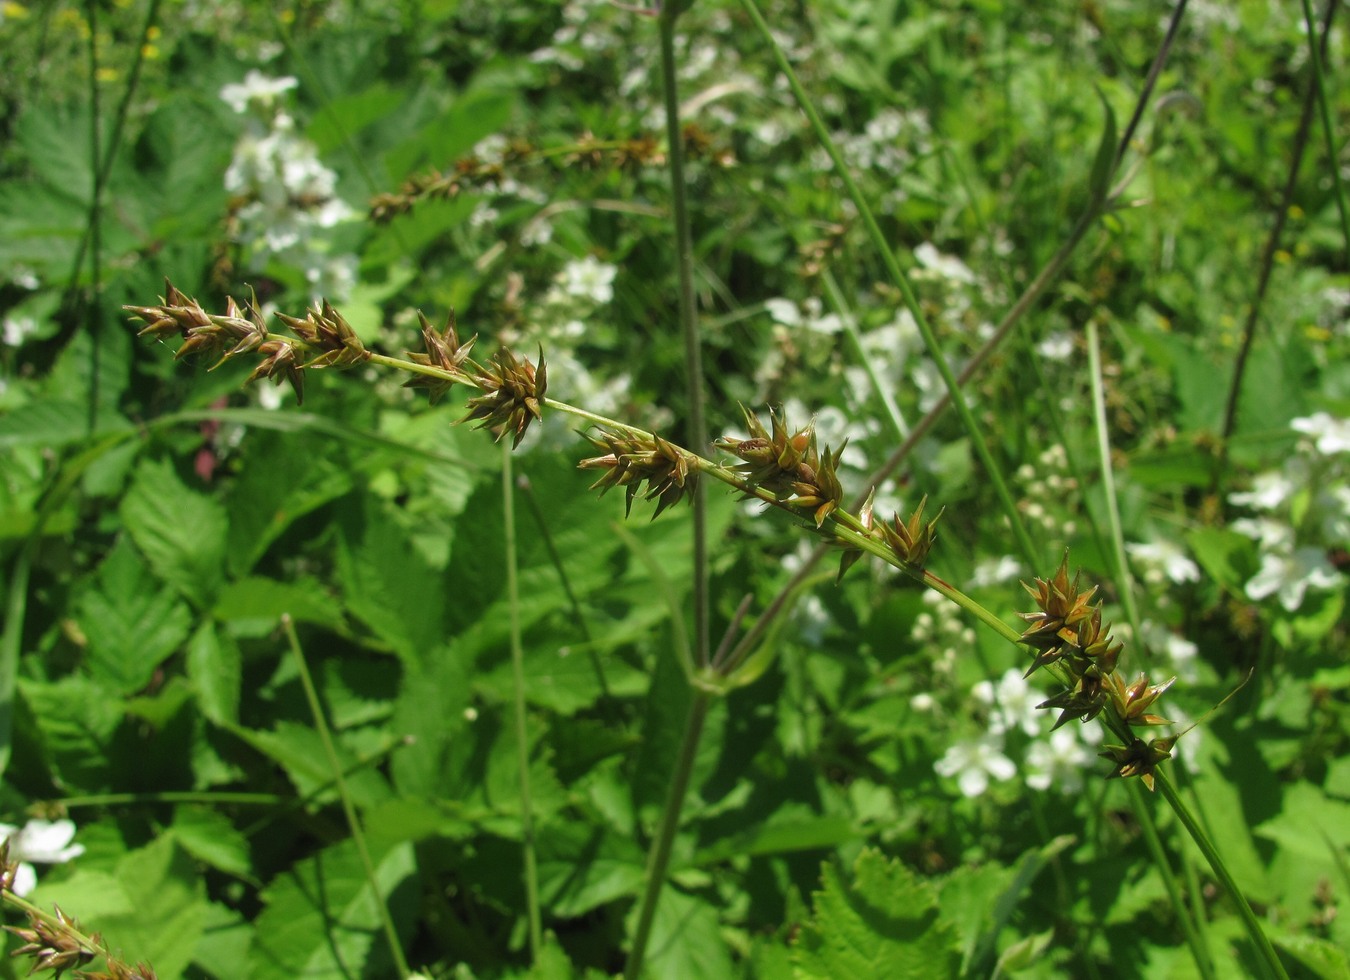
(1324, 110)
(531, 870)
(348, 808)
(1299, 147)
(658, 860)
(95, 312)
(1263, 947)
(1200, 953)
(693, 356)
(1124, 581)
(869, 364)
(901, 281)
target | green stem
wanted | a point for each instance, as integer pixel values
(897, 274)
(693, 356)
(1204, 963)
(1216, 863)
(658, 860)
(1328, 128)
(1124, 581)
(531, 870)
(348, 808)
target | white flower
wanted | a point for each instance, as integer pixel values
(1013, 702)
(973, 761)
(1058, 346)
(943, 266)
(1290, 574)
(1268, 492)
(1058, 760)
(1179, 650)
(1330, 435)
(1166, 558)
(256, 88)
(589, 278)
(18, 329)
(783, 311)
(43, 841)
(993, 571)
(1270, 533)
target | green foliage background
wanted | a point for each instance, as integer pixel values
(156, 522)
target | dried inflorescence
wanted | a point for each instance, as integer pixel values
(513, 394)
(1067, 629)
(512, 387)
(788, 466)
(630, 461)
(589, 152)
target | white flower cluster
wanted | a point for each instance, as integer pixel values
(1058, 760)
(1303, 509)
(290, 197)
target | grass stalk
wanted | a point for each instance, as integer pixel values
(1319, 85)
(531, 869)
(1124, 580)
(901, 281)
(693, 354)
(348, 808)
(658, 858)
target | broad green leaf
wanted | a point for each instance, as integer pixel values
(73, 742)
(210, 837)
(215, 668)
(133, 623)
(180, 531)
(1226, 556)
(151, 907)
(686, 939)
(299, 751)
(255, 605)
(320, 918)
(881, 922)
(581, 868)
(783, 833)
(52, 423)
(430, 711)
(385, 584)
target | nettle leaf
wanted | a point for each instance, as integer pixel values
(133, 623)
(180, 531)
(215, 667)
(151, 907)
(74, 741)
(882, 923)
(210, 837)
(299, 751)
(322, 921)
(386, 584)
(581, 868)
(686, 939)
(280, 483)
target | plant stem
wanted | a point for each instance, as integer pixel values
(1124, 582)
(658, 860)
(531, 871)
(348, 808)
(901, 281)
(1258, 935)
(693, 355)
(1328, 128)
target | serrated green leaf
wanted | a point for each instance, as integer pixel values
(211, 838)
(151, 908)
(321, 921)
(215, 668)
(686, 939)
(883, 922)
(181, 532)
(133, 624)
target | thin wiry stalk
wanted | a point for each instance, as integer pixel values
(901, 281)
(869, 364)
(1299, 147)
(693, 353)
(348, 808)
(1269, 959)
(531, 869)
(1191, 926)
(94, 323)
(658, 858)
(1124, 580)
(1315, 53)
